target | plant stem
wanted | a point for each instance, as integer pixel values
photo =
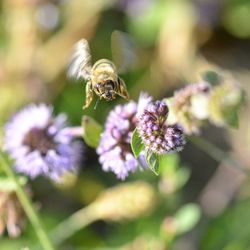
(216, 153)
(27, 205)
(74, 223)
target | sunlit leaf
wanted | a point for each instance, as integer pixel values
(187, 217)
(152, 160)
(91, 131)
(136, 143)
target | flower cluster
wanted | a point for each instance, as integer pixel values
(183, 107)
(217, 101)
(114, 150)
(157, 136)
(40, 144)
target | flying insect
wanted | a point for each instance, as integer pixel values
(102, 78)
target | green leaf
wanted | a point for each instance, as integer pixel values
(187, 217)
(136, 143)
(152, 160)
(91, 131)
(229, 231)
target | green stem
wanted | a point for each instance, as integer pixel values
(74, 223)
(27, 205)
(216, 153)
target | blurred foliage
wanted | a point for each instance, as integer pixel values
(236, 16)
(230, 230)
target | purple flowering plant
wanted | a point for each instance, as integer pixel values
(135, 134)
(140, 134)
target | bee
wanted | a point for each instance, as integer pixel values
(102, 78)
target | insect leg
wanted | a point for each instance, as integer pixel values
(89, 94)
(123, 90)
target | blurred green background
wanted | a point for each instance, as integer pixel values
(176, 41)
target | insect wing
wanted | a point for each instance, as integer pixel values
(123, 51)
(80, 62)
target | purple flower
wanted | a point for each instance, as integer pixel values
(40, 144)
(114, 150)
(156, 135)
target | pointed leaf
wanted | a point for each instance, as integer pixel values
(152, 161)
(91, 131)
(136, 143)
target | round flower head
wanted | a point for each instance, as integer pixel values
(156, 135)
(39, 144)
(114, 150)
